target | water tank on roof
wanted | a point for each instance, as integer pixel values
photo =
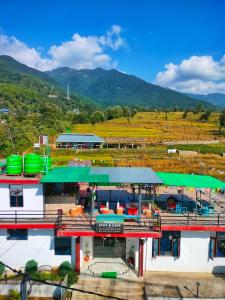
(33, 163)
(14, 165)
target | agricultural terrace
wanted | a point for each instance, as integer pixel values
(156, 127)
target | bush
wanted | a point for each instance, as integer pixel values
(2, 268)
(14, 295)
(31, 266)
(72, 278)
(64, 268)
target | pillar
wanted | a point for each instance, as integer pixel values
(139, 201)
(77, 261)
(141, 258)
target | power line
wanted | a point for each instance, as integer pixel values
(27, 278)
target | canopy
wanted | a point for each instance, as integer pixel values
(196, 181)
(102, 175)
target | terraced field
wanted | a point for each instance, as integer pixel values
(156, 127)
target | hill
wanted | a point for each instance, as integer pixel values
(217, 99)
(111, 87)
(32, 86)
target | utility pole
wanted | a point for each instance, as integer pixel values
(23, 288)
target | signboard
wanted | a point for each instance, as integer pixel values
(36, 145)
(109, 227)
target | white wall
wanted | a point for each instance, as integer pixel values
(83, 241)
(39, 246)
(133, 242)
(32, 198)
(194, 247)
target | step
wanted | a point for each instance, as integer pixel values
(84, 296)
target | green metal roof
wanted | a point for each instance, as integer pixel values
(74, 174)
(196, 181)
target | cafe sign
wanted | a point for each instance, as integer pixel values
(109, 224)
(109, 227)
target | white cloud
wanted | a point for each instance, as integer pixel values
(79, 52)
(197, 74)
(21, 52)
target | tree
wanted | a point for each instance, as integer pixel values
(205, 116)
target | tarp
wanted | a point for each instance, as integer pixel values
(189, 180)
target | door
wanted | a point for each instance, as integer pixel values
(109, 247)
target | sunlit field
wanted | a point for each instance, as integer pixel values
(156, 127)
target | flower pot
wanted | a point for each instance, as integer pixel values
(86, 258)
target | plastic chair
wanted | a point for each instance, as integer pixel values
(183, 209)
(178, 209)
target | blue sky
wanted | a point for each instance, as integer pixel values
(136, 37)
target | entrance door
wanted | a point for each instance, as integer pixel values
(109, 247)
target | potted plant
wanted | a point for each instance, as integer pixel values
(87, 252)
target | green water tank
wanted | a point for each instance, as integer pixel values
(47, 163)
(14, 165)
(33, 163)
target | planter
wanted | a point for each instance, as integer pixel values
(86, 258)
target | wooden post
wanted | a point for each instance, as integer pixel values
(77, 253)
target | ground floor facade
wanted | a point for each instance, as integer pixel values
(175, 251)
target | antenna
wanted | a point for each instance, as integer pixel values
(68, 92)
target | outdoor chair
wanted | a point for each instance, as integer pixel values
(178, 209)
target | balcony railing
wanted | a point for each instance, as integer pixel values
(86, 223)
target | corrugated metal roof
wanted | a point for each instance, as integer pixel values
(78, 138)
(102, 175)
(128, 174)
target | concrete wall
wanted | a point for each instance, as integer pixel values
(194, 247)
(89, 241)
(39, 246)
(32, 198)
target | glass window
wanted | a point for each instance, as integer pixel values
(62, 246)
(167, 245)
(16, 195)
(219, 244)
(17, 234)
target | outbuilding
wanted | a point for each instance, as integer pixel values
(79, 141)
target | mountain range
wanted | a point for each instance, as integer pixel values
(217, 99)
(89, 88)
(111, 87)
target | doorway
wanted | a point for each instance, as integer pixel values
(109, 247)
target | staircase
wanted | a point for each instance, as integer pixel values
(121, 289)
(100, 265)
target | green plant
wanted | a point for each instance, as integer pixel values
(2, 268)
(72, 278)
(31, 266)
(64, 268)
(14, 295)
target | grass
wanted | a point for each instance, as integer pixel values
(156, 127)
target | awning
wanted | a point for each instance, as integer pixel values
(189, 180)
(102, 175)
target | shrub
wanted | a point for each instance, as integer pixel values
(14, 295)
(31, 266)
(64, 268)
(72, 278)
(2, 268)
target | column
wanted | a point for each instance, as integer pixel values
(141, 258)
(77, 261)
(139, 201)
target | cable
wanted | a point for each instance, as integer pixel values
(29, 278)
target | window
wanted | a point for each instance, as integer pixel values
(17, 234)
(167, 245)
(62, 246)
(16, 195)
(217, 245)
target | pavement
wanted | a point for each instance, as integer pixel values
(165, 285)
